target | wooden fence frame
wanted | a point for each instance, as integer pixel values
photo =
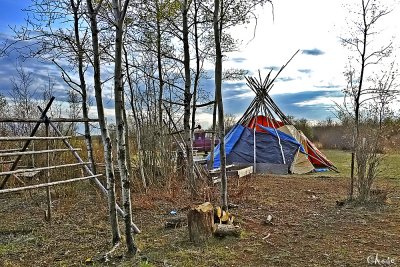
(49, 122)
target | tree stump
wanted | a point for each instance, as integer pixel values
(200, 222)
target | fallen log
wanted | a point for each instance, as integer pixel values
(222, 230)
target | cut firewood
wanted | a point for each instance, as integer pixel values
(200, 222)
(222, 216)
(222, 230)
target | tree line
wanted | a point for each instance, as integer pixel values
(149, 57)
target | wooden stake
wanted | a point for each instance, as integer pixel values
(48, 193)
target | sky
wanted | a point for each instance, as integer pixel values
(307, 88)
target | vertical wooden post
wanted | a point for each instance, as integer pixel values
(48, 193)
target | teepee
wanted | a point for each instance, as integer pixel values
(265, 138)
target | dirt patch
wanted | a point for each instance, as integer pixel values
(307, 227)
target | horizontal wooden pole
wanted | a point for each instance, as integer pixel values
(25, 138)
(9, 150)
(47, 184)
(36, 152)
(12, 120)
(6, 161)
(44, 168)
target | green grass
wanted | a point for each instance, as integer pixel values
(389, 166)
(7, 248)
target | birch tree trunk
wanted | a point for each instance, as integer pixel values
(85, 109)
(197, 74)
(159, 65)
(218, 95)
(137, 124)
(92, 13)
(119, 18)
(188, 96)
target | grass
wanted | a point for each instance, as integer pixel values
(341, 159)
(306, 231)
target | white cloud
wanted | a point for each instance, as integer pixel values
(308, 24)
(320, 101)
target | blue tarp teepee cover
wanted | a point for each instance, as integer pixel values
(239, 146)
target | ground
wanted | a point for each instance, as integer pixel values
(308, 227)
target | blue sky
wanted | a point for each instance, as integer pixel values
(307, 88)
(10, 13)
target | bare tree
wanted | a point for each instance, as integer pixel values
(218, 101)
(93, 12)
(226, 14)
(24, 99)
(119, 12)
(362, 35)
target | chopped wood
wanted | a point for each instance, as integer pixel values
(222, 230)
(200, 222)
(175, 222)
(222, 216)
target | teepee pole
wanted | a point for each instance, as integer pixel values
(254, 151)
(280, 146)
